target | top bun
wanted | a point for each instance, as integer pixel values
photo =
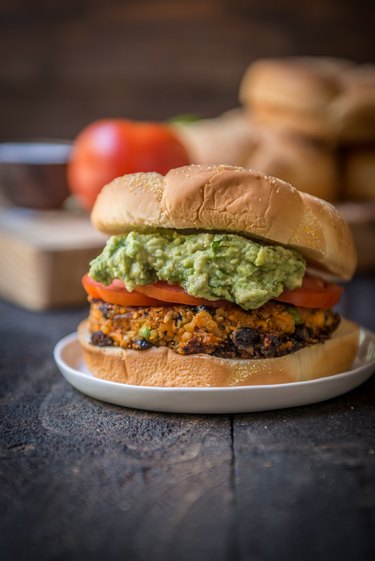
(229, 199)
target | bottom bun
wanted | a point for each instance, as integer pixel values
(160, 366)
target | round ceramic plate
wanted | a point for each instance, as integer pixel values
(242, 399)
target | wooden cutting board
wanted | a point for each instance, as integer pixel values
(43, 255)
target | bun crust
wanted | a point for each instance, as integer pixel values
(163, 367)
(229, 199)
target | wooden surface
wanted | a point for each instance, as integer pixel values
(80, 479)
(44, 255)
(67, 62)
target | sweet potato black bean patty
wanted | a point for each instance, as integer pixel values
(273, 330)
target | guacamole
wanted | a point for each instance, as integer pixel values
(207, 265)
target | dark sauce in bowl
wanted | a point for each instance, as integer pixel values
(33, 174)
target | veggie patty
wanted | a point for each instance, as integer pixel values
(273, 330)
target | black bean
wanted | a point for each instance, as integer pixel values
(301, 333)
(202, 309)
(245, 337)
(271, 344)
(143, 344)
(100, 339)
(105, 309)
(226, 349)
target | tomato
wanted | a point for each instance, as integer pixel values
(314, 293)
(109, 148)
(116, 293)
(175, 294)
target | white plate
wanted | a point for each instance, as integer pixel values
(243, 399)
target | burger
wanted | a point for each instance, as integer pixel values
(216, 276)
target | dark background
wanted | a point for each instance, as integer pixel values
(65, 63)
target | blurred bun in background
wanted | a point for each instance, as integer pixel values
(228, 138)
(353, 112)
(299, 160)
(328, 100)
(233, 139)
(293, 93)
(359, 173)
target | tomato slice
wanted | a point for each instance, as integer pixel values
(175, 294)
(116, 293)
(314, 293)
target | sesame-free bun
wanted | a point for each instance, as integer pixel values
(294, 92)
(229, 199)
(229, 138)
(325, 98)
(163, 367)
(308, 165)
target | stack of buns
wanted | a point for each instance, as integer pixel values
(330, 102)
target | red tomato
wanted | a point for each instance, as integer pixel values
(116, 293)
(314, 293)
(176, 294)
(109, 148)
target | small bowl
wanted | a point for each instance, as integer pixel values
(33, 174)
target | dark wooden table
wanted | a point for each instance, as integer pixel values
(83, 480)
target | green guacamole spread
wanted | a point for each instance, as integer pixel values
(206, 265)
